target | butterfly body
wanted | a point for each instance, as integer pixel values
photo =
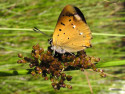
(71, 34)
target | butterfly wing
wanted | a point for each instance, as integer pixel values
(71, 33)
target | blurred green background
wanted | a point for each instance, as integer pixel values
(106, 19)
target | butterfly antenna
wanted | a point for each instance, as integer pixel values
(38, 31)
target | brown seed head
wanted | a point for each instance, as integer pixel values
(46, 78)
(20, 55)
(36, 51)
(69, 86)
(69, 78)
(97, 59)
(63, 75)
(40, 71)
(33, 73)
(41, 50)
(37, 68)
(36, 56)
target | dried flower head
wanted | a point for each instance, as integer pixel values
(45, 63)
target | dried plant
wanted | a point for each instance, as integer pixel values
(53, 66)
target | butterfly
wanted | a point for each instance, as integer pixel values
(71, 33)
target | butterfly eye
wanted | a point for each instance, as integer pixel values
(69, 20)
(63, 33)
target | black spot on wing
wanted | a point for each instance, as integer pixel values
(62, 24)
(60, 29)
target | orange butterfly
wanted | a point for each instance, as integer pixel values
(72, 33)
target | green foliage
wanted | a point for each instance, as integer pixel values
(103, 16)
(111, 63)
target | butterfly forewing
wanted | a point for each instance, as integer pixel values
(71, 33)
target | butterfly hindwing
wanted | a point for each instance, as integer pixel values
(71, 33)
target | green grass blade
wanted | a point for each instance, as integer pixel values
(111, 64)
